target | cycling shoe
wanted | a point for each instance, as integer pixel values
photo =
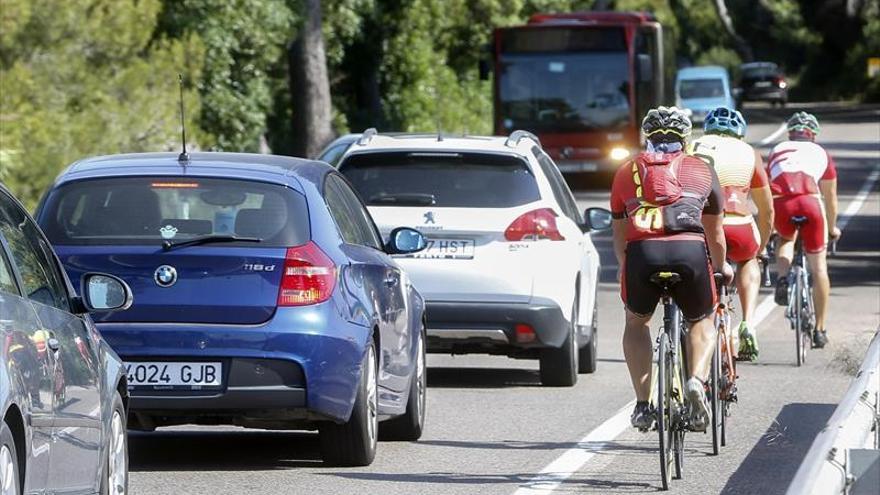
(748, 344)
(781, 294)
(642, 416)
(820, 338)
(698, 404)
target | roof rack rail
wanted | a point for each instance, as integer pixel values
(517, 136)
(367, 136)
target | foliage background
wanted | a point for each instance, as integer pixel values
(87, 77)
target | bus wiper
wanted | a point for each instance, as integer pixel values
(208, 239)
(408, 199)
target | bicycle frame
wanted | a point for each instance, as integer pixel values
(800, 310)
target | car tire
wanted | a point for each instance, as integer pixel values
(353, 443)
(587, 360)
(115, 474)
(559, 367)
(409, 426)
(9, 462)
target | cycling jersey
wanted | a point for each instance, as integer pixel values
(700, 191)
(739, 170)
(795, 169)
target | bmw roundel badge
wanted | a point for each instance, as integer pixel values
(165, 276)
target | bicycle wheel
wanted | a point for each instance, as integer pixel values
(715, 390)
(678, 404)
(798, 319)
(664, 410)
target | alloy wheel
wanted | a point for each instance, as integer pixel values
(372, 396)
(116, 469)
(8, 483)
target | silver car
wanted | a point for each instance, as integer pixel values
(62, 389)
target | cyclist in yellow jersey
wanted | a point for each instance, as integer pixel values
(742, 176)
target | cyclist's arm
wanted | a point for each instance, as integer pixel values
(621, 188)
(763, 199)
(828, 187)
(713, 220)
(618, 227)
(829, 196)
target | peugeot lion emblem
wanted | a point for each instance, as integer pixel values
(165, 276)
(429, 217)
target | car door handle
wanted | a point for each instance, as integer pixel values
(53, 344)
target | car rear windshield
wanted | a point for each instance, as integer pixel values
(466, 180)
(760, 71)
(700, 88)
(151, 210)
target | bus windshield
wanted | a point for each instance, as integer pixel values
(564, 91)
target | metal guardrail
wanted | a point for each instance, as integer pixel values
(855, 424)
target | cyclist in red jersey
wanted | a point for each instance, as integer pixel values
(667, 209)
(803, 180)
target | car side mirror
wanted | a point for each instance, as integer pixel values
(404, 240)
(103, 292)
(598, 219)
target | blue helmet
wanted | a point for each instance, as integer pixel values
(725, 120)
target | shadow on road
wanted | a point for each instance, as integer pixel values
(773, 461)
(219, 450)
(482, 378)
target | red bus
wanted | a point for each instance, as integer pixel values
(581, 82)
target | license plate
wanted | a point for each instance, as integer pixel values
(453, 249)
(566, 167)
(163, 374)
(762, 84)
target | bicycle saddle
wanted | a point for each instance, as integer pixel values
(798, 220)
(665, 279)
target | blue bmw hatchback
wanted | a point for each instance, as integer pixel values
(264, 295)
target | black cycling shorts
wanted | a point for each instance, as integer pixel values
(694, 294)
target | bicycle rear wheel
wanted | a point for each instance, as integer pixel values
(678, 402)
(715, 390)
(664, 410)
(798, 319)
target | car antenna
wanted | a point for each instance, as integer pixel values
(183, 157)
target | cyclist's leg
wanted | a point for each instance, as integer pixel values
(640, 298)
(815, 239)
(638, 352)
(743, 242)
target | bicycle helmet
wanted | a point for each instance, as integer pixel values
(803, 124)
(665, 124)
(726, 121)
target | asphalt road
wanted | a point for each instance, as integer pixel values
(492, 429)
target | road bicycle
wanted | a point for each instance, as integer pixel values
(669, 399)
(722, 386)
(800, 311)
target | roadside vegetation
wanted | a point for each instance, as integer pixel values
(86, 77)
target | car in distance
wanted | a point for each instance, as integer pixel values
(698, 90)
(510, 267)
(763, 81)
(63, 390)
(333, 152)
(265, 297)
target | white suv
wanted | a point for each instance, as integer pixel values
(510, 267)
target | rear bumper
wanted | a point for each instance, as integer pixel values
(466, 327)
(303, 364)
(770, 93)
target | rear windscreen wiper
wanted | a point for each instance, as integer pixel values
(208, 239)
(408, 199)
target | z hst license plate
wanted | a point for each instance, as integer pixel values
(459, 249)
(164, 374)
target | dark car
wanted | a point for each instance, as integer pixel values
(62, 388)
(265, 296)
(763, 81)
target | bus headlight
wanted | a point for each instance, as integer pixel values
(619, 154)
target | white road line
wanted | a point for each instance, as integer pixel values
(573, 459)
(778, 132)
(856, 204)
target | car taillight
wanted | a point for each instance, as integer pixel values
(309, 276)
(534, 225)
(781, 82)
